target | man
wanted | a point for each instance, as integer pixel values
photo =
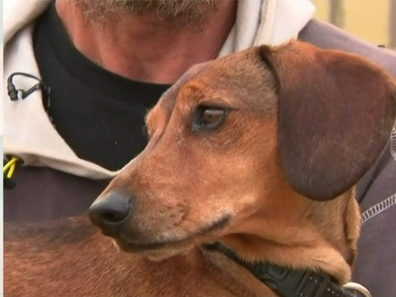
(101, 64)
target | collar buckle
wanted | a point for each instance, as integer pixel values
(358, 288)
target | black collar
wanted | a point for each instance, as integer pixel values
(287, 282)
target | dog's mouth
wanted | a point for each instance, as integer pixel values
(146, 248)
(130, 245)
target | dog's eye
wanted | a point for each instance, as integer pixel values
(209, 117)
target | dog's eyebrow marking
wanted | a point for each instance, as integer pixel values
(192, 93)
(169, 97)
(168, 101)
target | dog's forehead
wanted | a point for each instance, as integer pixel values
(232, 71)
(238, 76)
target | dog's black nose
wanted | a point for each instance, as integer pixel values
(111, 211)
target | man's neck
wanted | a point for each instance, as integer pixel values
(144, 47)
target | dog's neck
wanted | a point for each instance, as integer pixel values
(286, 281)
(327, 244)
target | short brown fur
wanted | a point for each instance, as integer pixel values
(241, 178)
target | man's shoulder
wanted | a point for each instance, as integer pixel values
(327, 36)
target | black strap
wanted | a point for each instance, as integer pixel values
(287, 282)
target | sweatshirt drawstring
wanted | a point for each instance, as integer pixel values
(8, 172)
(16, 94)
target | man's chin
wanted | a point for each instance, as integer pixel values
(187, 10)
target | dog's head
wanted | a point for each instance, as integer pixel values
(263, 143)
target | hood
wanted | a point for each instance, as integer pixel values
(29, 134)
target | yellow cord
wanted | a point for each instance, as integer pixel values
(10, 166)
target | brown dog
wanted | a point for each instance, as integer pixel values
(259, 151)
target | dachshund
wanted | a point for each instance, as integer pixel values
(252, 161)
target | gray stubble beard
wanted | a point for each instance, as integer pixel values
(185, 11)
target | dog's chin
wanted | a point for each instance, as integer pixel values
(164, 254)
(159, 250)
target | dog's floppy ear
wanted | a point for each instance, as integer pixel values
(335, 116)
